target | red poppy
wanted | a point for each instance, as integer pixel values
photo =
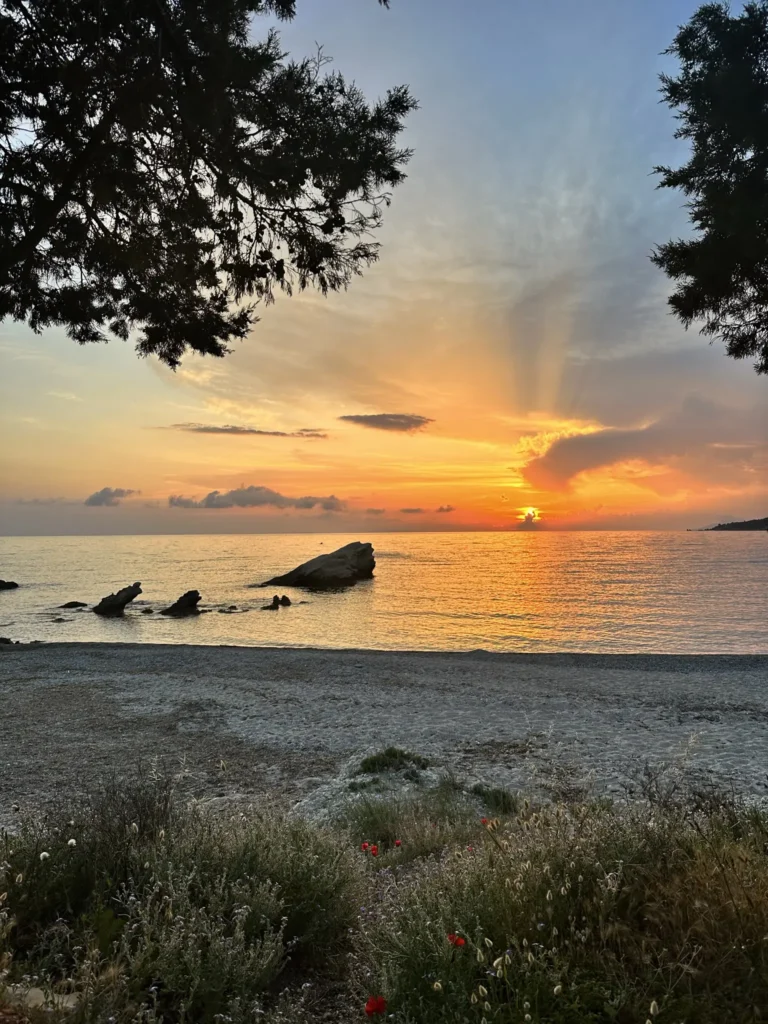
(364, 847)
(376, 1005)
(470, 848)
(374, 851)
(456, 940)
(483, 821)
(398, 842)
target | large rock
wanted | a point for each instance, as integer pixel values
(115, 604)
(340, 568)
(186, 605)
(8, 585)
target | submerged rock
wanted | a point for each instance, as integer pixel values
(341, 568)
(186, 605)
(8, 585)
(285, 601)
(114, 604)
(74, 604)
(274, 607)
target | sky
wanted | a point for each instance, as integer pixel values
(509, 363)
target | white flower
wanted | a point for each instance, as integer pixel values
(482, 990)
(488, 942)
(437, 987)
(134, 828)
(72, 843)
(19, 879)
(557, 989)
(654, 1008)
(44, 856)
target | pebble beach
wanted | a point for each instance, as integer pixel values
(239, 722)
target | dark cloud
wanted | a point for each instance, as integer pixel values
(401, 422)
(207, 428)
(256, 497)
(698, 428)
(375, 511)
(412, 511)
(446, 508)
(108, 496)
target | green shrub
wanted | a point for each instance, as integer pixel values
(587, 915)
(498, 800)
(393, 759)
(202, 914)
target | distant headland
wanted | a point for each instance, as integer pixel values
(748, 524)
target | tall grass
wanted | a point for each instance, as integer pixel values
(650, 910)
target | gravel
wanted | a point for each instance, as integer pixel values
(240, 721)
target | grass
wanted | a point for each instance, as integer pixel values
(652, 909)
(393, 759)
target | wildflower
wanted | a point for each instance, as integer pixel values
(526, 1005)
(497, 963)
(557, 989)
(470, 848)
(483, 821)
(456, 940)
(527, 1017)
(3, 897)
(437, 987)
(549, 895)
(19, 879)
(162, 833)
(480, 957)
(473, 998)
(486, 1007)
(375, 1006)
(134, 828)
(364, 846)
(398, 842)
(654, 1008)
(72, 844)
(374, 850)
(44, 856)
(488, 942)
(482, 990)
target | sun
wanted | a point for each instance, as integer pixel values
(529, 515)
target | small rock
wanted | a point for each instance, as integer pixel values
(186, 605)
(115, 604)
(147, 611)
(8, 585)
(60, 619)
(275, 606)
(232, 608)
(74, 604)
(285, 601)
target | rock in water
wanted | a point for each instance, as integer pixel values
(8, 585)
(285, 601)
(74, 604)
(340, 568)
(115, 604)
(186, 605)
(275, 606)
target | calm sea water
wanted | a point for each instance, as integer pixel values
(589, 592)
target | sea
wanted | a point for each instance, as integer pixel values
(622, 592)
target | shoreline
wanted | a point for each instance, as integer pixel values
(295, 721)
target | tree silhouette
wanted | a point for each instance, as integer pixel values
(161, 173)
(721, 100)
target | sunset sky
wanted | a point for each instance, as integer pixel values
(512, 350)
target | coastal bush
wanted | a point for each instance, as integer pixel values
(419, 908)
(496, 799)
(582, 913)
(146, 902)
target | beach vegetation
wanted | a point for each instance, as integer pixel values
(417, 908)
